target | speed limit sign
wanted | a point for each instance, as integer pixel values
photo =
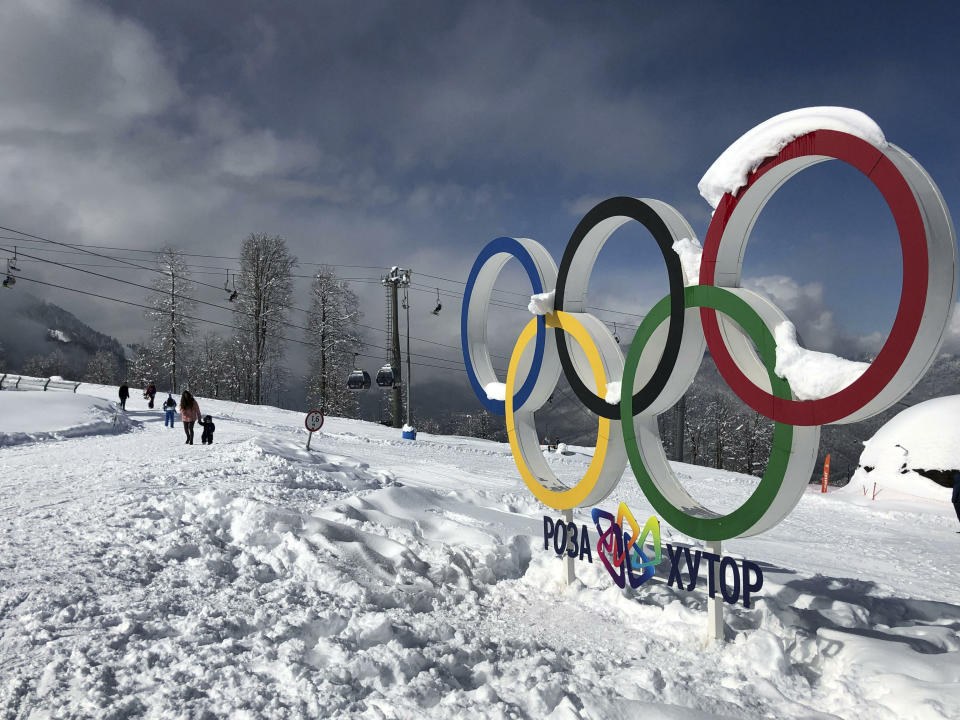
(314, 422)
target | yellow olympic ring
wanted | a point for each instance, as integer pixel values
(575, 496)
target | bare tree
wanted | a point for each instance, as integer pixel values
(169, 304)
(332, 330)
(265, 291)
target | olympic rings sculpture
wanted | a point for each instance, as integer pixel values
(734, 323)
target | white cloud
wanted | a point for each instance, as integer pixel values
(72, 67)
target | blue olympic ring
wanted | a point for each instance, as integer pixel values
(495, 247)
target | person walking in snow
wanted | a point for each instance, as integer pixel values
(206, 438)
(189, 414)
(124, 394)
(150, 393)
(956, 493)
(169, 405)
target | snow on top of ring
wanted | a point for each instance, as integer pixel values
(690, 251)
(495, 391)
(613, 393)
(812, 375)
(542, 303)
(730, 171)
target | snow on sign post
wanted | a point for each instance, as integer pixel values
(314, 422)
(750, 339)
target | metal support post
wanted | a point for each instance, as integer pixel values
(715, 603)
(569, 574)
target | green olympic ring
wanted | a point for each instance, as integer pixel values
(707, 525)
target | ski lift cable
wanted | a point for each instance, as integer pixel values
(226, 325)
(198, 301)
(157, 270)
(28, 237)
(204, 284)
(76, 265)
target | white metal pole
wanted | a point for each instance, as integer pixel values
(715, 603)
(568, 570)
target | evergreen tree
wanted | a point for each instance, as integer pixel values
(102, 368)
(265, 291)
(334, 313)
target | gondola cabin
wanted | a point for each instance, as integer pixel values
(359, 380)
(385, 376)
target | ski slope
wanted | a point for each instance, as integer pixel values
(379, 578)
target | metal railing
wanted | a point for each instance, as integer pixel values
(25, 382)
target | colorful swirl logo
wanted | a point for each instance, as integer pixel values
(622, 553)
(734, 323)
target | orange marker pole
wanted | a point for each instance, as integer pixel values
(826, 474)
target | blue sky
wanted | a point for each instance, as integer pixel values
(383, 133)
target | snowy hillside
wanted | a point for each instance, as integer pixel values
(378, 578)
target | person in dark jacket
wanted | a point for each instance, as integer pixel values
(169, 406)
(206, 437)
(124, 394)
(956, 493)
(150, 393)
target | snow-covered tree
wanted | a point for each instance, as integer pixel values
(265, 291)
(44, 366)
(170, 303)
(209, 367)
(334, 314)
(102, 368)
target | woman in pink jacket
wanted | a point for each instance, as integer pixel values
(189, 414)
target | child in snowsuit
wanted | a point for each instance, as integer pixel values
(168, 409)
(208, 427)
(124, 394)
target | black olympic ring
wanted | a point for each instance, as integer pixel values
(643, 213)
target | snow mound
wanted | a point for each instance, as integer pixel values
(925, 437)
(812, 375)
(690, 251)
(289, 464)
(542, 303)
(34, 416)
(730, 171)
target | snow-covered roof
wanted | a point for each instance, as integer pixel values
(923, 437)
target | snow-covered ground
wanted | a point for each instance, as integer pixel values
(379, 578)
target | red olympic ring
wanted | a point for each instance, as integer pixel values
(882, 172)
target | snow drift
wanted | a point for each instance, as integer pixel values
(33, 416)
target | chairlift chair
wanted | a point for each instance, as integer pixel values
(232, 293)
(9, 281)
(12, 264)
(615, 336)
(385, 376)
(436, 310)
